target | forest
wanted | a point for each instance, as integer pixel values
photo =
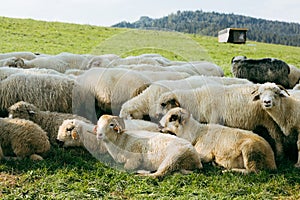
(210, 23)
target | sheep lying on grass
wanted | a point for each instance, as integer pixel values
(282, 108)
(84, 130)
(22, 138)
(49, 121)
(144, 150)
(261, 70)
(231, 106)
(235, 149)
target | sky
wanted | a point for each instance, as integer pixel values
(109, 12)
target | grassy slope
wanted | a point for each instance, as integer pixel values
(74, 174)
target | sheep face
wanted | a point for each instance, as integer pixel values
(22, 110)
(68, 134)
(165, 104)
(173, 122)
(269, 95)
(109, 127)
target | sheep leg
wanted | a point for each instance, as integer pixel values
(133, 163)
(35, 157)
(298, 147)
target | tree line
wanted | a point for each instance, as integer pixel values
(210, 23)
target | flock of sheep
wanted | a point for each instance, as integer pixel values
(150, 114)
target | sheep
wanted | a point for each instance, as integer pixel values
(22, 138)
(226, 105)
(235, 149)
(112, 87)
(7, 71)
(102, 60)
(12, 62)
(144, 104)
(283, 109)
(23, 55)
(151, 151)
(261, 70)
(294, 76)
(84, 136)
(48, 62)
(75, 61)
(46, 91)
(49, 121)
(78, 133)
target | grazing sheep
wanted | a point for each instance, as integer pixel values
(282, 108)
(231, 106)
(151, 151)
(46, 91)
(261, 70)
(235, 149)
(112, 87)
(144, 104)
(49, 121)
(294, 76)
(22, 138)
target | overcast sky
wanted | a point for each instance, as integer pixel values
(109, 12)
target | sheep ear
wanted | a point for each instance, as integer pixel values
(256, 97)
(283, 90)
(184, 116)
(74, 135)
(119, 125)
(174, 103)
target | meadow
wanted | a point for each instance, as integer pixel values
(76, 174)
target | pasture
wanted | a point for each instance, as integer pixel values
(75, 174)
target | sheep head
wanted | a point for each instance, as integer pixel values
(166, 103)
(22, 110)
(269, 94)
(173, 122)
(109, 127)
(68, 134)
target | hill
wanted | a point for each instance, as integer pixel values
(75, 174)
(209, 23)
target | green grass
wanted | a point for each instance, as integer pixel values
(76, 174)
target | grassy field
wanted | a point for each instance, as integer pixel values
(76, 174)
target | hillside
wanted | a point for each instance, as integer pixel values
(209, 23)
(73, 173)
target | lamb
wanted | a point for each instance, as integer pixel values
(84, 136)
(235, 149)
(144, 104)
(151, 151)
(112, 87)
(49, 121)
(294, 76)
(226, 105)
(78, 133)
(46, 91)
(22, 138)
(261, 70)
(283, 109)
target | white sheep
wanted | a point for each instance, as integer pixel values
(12, 62)
(74, 61)
(112, 87)
(22, 138)
(144, 150)
(24, 55)
(226, 105)
(46, 91)
(144, 104)
(49, 121)
(235, 149)
(102, 60)
(283, 109)
(48, 62)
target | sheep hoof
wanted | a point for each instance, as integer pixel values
(36, 157)
(185, 172)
